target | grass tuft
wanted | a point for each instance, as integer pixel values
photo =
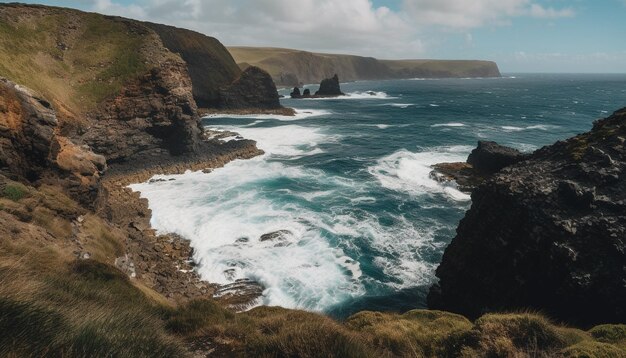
(15, 191)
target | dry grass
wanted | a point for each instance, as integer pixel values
(52, 304)
(74, 60)
(418, 333)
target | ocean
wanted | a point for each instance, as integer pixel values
(344, 185)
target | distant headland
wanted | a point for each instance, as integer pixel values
(290, 68)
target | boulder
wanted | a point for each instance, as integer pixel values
(490, 157)
(487, 159)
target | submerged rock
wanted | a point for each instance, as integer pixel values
(280, 237)
(546, 234)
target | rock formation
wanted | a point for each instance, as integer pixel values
(253, 89)
(209, 64)
(295, 93)
(546, 234)
(490, 157)
(485, 160)
(329, 87)
(31, 150)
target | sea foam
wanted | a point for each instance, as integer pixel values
(409, 172)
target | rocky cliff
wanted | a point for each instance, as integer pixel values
(122, 87)
(209, 64)
(546, 234)
(292, 68)
(253, 89)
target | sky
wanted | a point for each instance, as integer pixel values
(575, 36)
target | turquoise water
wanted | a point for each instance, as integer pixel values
(347, 180)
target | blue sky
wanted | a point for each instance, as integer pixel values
(521, 35)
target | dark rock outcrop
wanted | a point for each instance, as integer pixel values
(490, 157)
(329, 87)
(154, 113)
(487, 159)
(296, 93)
(546, 234)
(253, 89)
(209, 64)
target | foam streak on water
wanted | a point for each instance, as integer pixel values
(345, 185)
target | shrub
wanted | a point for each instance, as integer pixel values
(591, 349)
(500, 335)
(609, 333)
(15, 191)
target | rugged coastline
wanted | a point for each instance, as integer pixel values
(82, 273)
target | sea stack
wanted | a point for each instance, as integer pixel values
(330, 88)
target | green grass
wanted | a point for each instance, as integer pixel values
(610, 333)
(15, 191)
(103, 55)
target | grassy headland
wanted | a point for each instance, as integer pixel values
(292, 67)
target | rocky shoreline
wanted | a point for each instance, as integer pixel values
(165, 262)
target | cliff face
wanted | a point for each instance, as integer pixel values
(293, 68)
(31, 150)
(442, 68)
(209, 64)
(125, 88)
(253, 89)
(547, 234)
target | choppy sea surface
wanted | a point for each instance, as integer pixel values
(347, 182)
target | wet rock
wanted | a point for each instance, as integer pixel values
(487, 159)
(240, 295)
(280, 238)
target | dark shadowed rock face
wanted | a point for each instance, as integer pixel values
(487, 159)
(330, 87)
(490, 157)
(155, 113)
(546, 234)
(296, 93)
(209, 63)
(253, 89)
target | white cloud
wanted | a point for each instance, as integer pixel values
(541, 12)
(348, 26)
(463, 14)
(111, 8)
